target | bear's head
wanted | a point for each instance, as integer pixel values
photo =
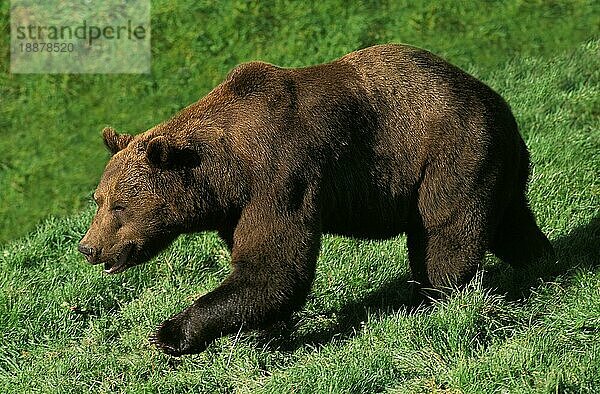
(143, 199)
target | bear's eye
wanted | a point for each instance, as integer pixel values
(118, 208)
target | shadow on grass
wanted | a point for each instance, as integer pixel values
(577, 250)
(392, 295)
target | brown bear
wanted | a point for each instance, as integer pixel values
(384, 140)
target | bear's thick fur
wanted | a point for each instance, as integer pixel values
(384, 140)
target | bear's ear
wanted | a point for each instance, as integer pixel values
(163, 153)
(115, 142)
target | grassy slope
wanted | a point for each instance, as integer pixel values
(63, 325)
(50, 155)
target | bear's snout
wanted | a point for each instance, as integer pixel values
(89, 252)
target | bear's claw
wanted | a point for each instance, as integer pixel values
(168, 339)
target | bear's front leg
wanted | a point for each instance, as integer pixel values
(246, 300)
(273, 268)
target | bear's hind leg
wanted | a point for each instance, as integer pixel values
(446, 255)
(518, 240)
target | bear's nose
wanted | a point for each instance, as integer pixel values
(87, 251)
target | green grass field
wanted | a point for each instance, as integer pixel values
(65, 326)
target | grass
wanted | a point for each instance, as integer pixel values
(64, 326)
